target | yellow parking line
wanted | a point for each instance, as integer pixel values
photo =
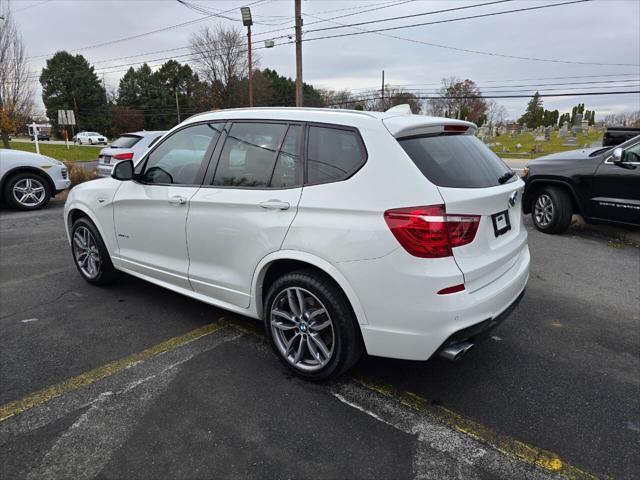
(513, 448)
(516, 449)
(38, 398)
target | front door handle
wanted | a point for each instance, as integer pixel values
(177, 200)
(275, 205)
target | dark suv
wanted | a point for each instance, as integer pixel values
(601, 184)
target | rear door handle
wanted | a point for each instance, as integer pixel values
(177, 200)
(275, 205)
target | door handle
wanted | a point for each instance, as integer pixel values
(275, 205)
(177, 200)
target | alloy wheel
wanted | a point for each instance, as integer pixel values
(543, 210)
(86, 253)
(29, 192)
(302, 329)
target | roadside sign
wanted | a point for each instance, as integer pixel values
(66, 117)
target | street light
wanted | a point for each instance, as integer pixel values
(247, 22)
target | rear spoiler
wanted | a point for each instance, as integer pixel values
(416, 125)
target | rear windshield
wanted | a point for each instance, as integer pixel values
(125, 141)
(457, 161)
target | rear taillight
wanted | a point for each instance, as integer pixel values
(123, 156)
(429, 232)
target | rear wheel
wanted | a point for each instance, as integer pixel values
(27, 191)
(311, 325)
(551, 210)
(90, 254)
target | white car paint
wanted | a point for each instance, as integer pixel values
(90, 138)
(217, 244)
(12, 161)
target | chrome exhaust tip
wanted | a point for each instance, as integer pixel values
(456, 351)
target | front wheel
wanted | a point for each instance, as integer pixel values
(551, 210)
(311, 325)
(27, 191)
(90, 254)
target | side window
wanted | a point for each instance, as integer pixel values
(287, 170)
(332, 154)
(632, 153)
(249, 154)
(177, 160)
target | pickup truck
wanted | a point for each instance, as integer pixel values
(617, 135)
(600, 184)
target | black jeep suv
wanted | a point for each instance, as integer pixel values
(601, 184)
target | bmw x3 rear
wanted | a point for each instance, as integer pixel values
(345, 232)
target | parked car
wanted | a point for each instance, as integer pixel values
(29, 180)
(616, 135)
(129, 146)
(600, 184)
(91, 138)
(344, 231)
(42, 137)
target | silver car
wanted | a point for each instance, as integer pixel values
(128, 146)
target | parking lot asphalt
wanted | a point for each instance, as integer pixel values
(134, 381)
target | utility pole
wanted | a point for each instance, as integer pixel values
(298, 12)
(247, 21)
(177, 105)
(382, 93)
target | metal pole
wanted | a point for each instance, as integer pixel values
(34, 127)
(250, 66)
(177, 105)
(298, 12)
(382, 93)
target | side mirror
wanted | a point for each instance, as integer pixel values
(123, 170)
(618, 155)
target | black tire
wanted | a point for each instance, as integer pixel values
(23, 177)
(347, 346)
(106, 273)
(551, 210)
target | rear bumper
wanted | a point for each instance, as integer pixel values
(104, 170)
(406, 319)
(481, 331)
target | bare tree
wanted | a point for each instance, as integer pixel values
(459, 99)
(623, 119)
(221, 55)
(496, 113)
(16, 92)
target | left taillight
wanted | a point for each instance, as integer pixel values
(123, 156)
(430, 232)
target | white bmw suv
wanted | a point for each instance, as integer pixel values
(396, 234)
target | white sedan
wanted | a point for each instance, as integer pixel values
(29, 180)
(91, 138)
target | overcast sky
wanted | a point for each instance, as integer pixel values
(599, 31)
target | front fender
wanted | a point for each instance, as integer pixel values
(326, 267)
(100, 213)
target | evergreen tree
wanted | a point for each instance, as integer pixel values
(534, 114)
(70, 83)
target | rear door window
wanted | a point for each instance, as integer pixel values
(125, 141)
(249, 155)
(456, 161)
(333, 154)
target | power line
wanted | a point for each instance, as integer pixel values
(467, 18)
(448, 47)
(462, 97)
(140, 35)
(393, 4)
